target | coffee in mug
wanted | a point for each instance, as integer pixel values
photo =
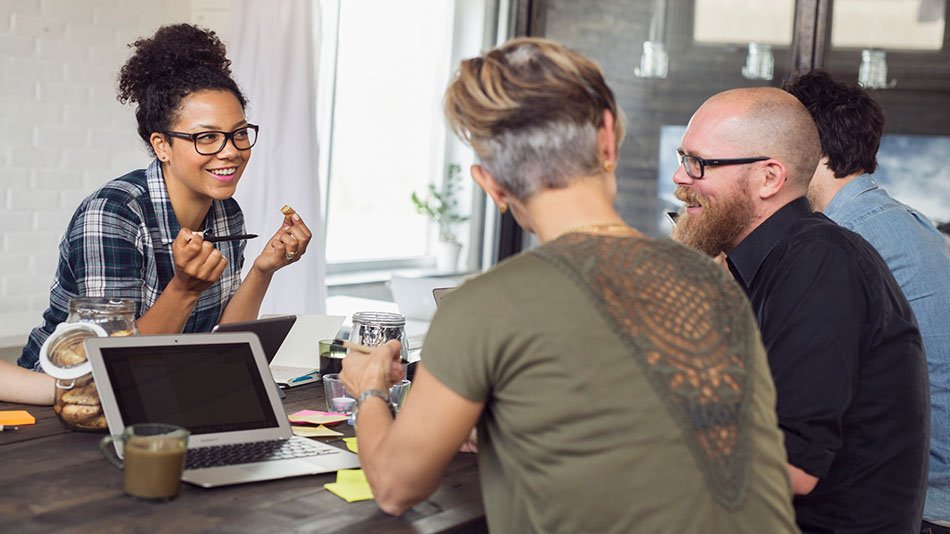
(154, 459)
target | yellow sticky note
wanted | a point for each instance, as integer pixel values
(16, 417)
(350, 485)
(351, 476)
(315, 432)
(351, 444)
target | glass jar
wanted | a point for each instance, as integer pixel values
(375, 328)
(63, 357)
(115, 316)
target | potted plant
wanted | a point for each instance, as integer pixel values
(441, 207)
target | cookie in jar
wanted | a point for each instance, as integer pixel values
(63, 357)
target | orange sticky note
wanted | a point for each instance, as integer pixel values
(16, 417)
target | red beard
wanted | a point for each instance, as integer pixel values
(718, 225)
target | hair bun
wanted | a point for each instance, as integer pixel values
(174, 54)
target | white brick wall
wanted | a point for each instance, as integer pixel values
(62, 132)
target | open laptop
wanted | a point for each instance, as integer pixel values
(413, 296)
(219, 387)
(271, 331)
(414, 299)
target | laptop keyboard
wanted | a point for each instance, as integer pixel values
(258, 451)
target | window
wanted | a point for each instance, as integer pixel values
(892, 24)
(383, 68)
(739, 21)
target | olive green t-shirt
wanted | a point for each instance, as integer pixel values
(625, 387)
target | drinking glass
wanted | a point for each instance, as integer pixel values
(338, 400)
(154, 459)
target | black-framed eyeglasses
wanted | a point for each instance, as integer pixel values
(695, 166)
(210, 142)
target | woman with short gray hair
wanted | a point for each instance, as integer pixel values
(617, 382)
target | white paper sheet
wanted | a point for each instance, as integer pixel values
(300, 351)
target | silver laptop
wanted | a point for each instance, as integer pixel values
(219, 387)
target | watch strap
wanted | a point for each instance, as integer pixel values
(378, 393)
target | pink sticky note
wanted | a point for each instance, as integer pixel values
(317, 417)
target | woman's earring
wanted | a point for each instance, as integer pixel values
(502, 208)
(608, 165)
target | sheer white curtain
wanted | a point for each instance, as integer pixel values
(273, 50)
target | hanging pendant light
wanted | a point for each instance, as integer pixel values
(759, 63)
(872, 74)
(654, 61)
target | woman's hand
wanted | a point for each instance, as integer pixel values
(286, 246)
(470, 444)
(377, 370)
(198, 265)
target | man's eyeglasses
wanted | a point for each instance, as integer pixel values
(695, 166)
(209, 143)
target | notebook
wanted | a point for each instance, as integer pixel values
(218, 386)
(297, 361)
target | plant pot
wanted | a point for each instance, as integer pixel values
(447, 255)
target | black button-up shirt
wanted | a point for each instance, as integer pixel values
(849, 370)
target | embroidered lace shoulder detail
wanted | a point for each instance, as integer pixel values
(681, 321)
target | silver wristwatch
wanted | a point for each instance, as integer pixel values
(384, 395)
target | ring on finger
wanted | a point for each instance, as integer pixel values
(290, 256)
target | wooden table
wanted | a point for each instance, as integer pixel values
(53, 479)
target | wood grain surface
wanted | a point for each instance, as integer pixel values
(53, 479)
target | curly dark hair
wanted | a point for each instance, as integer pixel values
(179, 60)
(850, 122)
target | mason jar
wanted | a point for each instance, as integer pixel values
(372, 328)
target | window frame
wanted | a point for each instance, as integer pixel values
(481, 227)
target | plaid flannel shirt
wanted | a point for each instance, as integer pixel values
(119, 244)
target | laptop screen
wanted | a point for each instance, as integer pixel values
(204, 388)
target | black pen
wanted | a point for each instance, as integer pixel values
(4, 428)
(223, 238)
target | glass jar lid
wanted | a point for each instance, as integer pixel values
(379, 318)
(63, 355)
(96, 306)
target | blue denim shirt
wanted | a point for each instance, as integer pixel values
(919, 257)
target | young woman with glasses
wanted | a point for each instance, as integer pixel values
(147, 235)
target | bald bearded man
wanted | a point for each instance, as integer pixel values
(842, 342)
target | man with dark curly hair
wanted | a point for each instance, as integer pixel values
(850, 124)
